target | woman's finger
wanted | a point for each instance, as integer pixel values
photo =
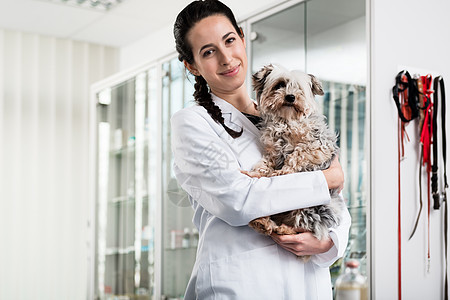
(286, 239)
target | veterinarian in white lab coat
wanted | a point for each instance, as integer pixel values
(211, 143)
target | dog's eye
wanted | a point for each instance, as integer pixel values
(280, 85)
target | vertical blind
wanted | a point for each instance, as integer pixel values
(44, 100)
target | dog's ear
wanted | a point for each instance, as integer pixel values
(259, 79)
(316, 86)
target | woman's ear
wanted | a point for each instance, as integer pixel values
(241, 35)
(191, 68)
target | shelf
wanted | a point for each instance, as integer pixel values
(124, 199)
(357, 206)
(115, 250)
(127, 149)
(180, 249)
(127, 250)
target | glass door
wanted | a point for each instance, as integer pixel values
(327, 39)
(336, 54)
(179, 235)
(125, 201)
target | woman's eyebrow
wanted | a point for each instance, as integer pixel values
(226, 35)
(209, 45)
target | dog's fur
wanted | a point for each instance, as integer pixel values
(296, 138)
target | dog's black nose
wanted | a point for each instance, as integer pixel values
(289, 98)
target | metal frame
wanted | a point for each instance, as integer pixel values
(369, 219)
(92, 187)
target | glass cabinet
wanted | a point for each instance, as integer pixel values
(145, 242)
(126, 196)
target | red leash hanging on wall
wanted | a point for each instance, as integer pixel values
(405, 96)
(426, 136)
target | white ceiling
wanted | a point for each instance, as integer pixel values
(122, 25)
(135, 19)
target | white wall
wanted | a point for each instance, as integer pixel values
(150, 48)
(44, 97)
(404, 33)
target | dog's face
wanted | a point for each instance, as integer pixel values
(284, 94)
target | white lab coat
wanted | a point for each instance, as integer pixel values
(233, 261)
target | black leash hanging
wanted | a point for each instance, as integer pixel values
(444, 134)
(439, 86)
(412, 102)
(434, 168)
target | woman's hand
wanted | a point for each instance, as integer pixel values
(304, 243)
(334, 175)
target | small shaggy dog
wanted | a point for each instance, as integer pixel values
(295, 139)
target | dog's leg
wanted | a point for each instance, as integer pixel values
(287, 169)
(263, 225)
(263, 168)
(321, 232)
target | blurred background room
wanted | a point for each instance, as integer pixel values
(89, 205)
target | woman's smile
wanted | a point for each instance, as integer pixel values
(232, 71)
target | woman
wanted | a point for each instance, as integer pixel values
(212, 142)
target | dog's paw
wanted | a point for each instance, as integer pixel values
(265, 172)
(262, 225)
(284, 230)
(254, 173)
(280, 172)
(251, 173)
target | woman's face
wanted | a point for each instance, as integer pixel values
(219, 54)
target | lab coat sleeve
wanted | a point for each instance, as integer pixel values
(208, 171)
(339, 236)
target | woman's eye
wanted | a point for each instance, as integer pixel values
(207, 53)
(230, 40)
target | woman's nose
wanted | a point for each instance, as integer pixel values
(225, 58)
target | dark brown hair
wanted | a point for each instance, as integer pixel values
(186, 19)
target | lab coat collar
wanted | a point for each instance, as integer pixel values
(234, 118)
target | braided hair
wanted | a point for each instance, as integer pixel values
(186, 19)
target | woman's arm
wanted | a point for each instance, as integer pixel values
(208, 171)
(334, 175)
